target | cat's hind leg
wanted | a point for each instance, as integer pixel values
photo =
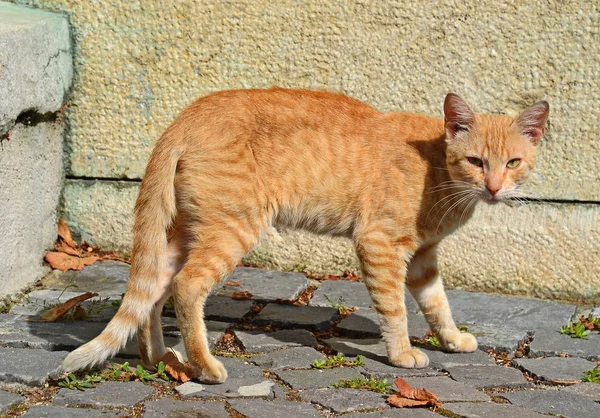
(383, 265)
(425, 284)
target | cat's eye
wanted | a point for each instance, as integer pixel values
(514, 163)
(475, 161)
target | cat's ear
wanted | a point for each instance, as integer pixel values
(458, 116)
(532, 120)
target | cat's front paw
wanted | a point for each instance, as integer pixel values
(460, 343)
(213, 373)
(410, 359)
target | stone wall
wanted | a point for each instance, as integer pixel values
(139, 63)
(35, 76)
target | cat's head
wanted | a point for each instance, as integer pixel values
(492, 154)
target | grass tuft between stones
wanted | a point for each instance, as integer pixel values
(373, 384)
(592, 376)
(338, 361)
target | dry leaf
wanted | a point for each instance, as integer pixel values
(79, 313)
(64, 262)
(64, 248)
(56, 312)
(400, 402)
(229, 283)
(407, 396)
(176, 369)
(241, 295)
(65, 234)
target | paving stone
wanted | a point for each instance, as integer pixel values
(28, 366)
(166, 407)
(8, 399)
(502, 322)
(297, 358)
(258, 341)
(345, 400)
(596, 312)
(50, 411)
(266, 285)
(442, 360)
(488, 377)
(318, 378)
(552, 343)
(589, 389)
(365, 323)
(447, 389)
(108, 278)
(291, 316)
(189, 388)
(395, 413)
(568, 405)
(241, 374)
(257, 408)
(383, 370)
(107, 394)
(556, 368)
(344, 292)
(370, 348)
(490, 410)
(224, 308)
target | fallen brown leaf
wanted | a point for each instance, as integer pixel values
(241, 295)
(229, 283)
(65, 235)
(407, 396)
(79, 313)
(56, 312)
(64, 262)
(64, 248)
(176, 369)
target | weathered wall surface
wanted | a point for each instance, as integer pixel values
(139, 63)
(35, 75)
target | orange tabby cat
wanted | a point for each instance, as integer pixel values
(235, 162)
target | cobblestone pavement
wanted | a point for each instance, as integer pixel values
(524, 368)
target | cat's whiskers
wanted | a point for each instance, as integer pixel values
(466, 210)
(460, 201)
(448, 200)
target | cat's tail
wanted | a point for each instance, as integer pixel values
(155, 210)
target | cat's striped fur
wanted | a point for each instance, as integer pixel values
(235, 162)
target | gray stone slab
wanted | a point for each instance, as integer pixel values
(39, 301)
(488, 377)
(258, 341)
(568, 405)
(371, 348)
(244, 379)
(502, 322)
(442, 360)
(589, 389)
(266, 285)
(108, 278)
(447, 389)
(395, 413)
(258, 408)
(167, 407)
(8, 399)
(223, 308)
(291, 316)
(490, 410)
(508, 312)
(317, 378)
(596, 312)
(551, 343)
(290, 358)
(29, 366)
(556, 368)
(345, 400)
(51, 411)
(106, 394)
(343, 292)
(383, 370)
(365, 323)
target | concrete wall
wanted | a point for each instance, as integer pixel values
(139, 63)
(35, 75)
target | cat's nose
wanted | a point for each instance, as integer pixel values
(493, 189)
